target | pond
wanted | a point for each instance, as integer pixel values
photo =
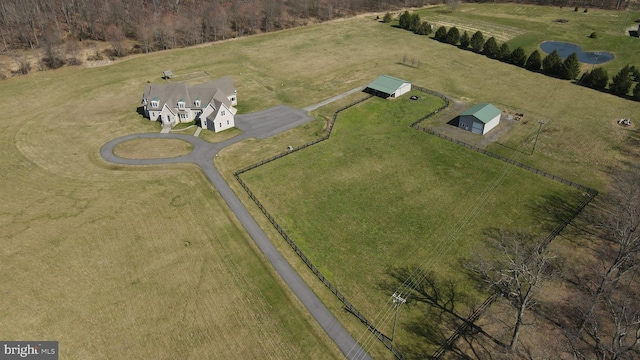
(565, 49)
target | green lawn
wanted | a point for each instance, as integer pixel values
(527, 26)
(380, 195)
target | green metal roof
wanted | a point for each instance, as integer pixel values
(386, 84)
(483, 112)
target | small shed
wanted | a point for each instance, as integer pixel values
(480, 118)
(388, 87)
(167, 74)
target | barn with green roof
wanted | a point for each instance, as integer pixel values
(480, 118)
(387, 86)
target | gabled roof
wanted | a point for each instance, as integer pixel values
(386, 84)
(207, 92)
(483, 112)
(224, 83)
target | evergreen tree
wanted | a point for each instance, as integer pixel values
(465, 40)
(534, 61)
(622, 81)
(570, 68)
(597, 78)
(424, 29)
(414, 22)
(552, 63)
(404, 20)
(387, 18)
(518, 57)
(504, 53)
(490, 48)
(636, 92)
(477, 41)
(441, 34)
(453, 36)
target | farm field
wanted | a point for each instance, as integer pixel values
(379, 196)
(115, 259)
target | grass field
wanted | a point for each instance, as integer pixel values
(380, 195)
(149, 260)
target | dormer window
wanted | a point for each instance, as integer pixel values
(181, 104)
(197, 103)
(154, 103)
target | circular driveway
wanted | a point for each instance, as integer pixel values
(260, 125)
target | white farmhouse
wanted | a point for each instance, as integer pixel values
(209, 104)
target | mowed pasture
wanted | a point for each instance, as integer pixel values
(380, 195)
(148, 261)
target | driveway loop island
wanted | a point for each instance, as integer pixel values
(259, 125)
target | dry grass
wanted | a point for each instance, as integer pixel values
(152, 148)
(117, 260)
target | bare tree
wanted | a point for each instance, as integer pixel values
(515, 265)
(115, 36)
(616, 221)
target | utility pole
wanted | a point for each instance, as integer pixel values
(397, 300)
(537, 135)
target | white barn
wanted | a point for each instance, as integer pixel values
(388, 87)
(480, 118)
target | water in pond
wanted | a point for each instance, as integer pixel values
(566, 49)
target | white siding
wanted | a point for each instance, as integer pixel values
(491, 124)
(403, 89)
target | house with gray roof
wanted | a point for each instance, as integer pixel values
(388, 87)
(209, 104)
(480, 118)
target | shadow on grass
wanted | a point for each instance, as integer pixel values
(437, 299)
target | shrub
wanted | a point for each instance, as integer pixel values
(585, 10)
(404, 20)
(387, 18)
(593, 35)
(576, 9)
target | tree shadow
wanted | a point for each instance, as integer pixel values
(438, 299)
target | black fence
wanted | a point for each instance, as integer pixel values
(591, 193)
(348, 306)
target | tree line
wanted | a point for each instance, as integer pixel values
(163, 24)
(626, 81)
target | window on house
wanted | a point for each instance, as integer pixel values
(181, 105)
(222, 113)
(227, 122)
(154, 104)
(220, 124)
(197, 103)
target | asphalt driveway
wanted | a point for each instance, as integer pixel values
(261, 125)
